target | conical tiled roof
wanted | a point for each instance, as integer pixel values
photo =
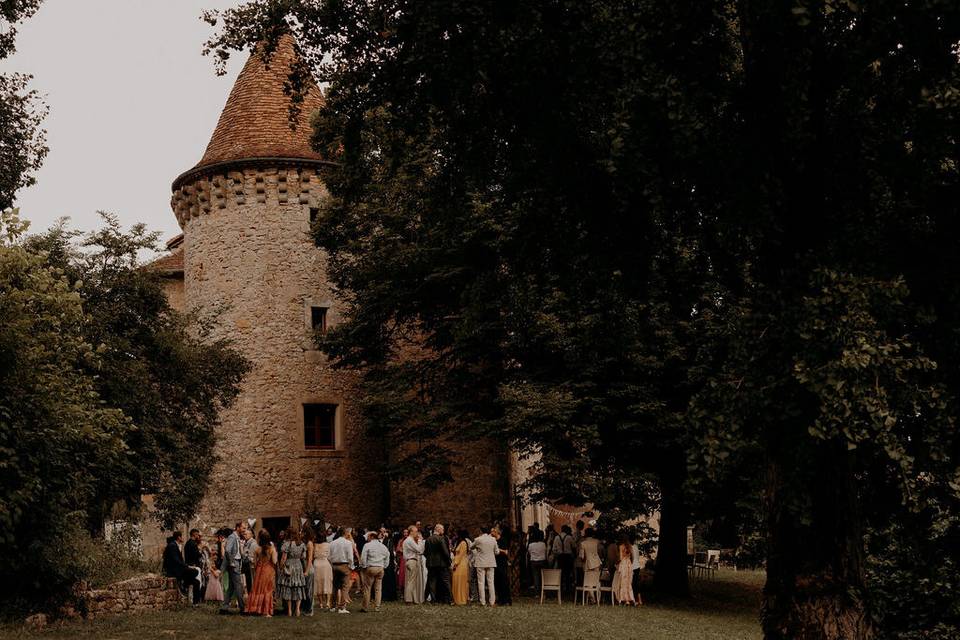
(255, 123)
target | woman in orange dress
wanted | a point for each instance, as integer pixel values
(260, 600)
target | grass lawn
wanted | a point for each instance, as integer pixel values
(726, 607)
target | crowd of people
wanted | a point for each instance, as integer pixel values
(304, 570)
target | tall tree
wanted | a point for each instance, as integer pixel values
(513, 199)
(22, 140)
(840, 204)
(56, 435)
(160, 368)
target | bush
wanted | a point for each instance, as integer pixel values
(913, 580)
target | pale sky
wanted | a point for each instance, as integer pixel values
(132, 102)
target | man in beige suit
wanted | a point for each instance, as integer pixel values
(486, 549)
(590, 553)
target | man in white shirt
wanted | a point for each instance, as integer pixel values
(414, 581)
(486, 563)
(563, 551)
(341, 559)
(537, 554)
(374, 560)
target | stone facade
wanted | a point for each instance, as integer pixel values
(253, 262)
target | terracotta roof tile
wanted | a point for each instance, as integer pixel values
(169, 264)
(255, 123)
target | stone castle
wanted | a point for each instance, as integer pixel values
(246, 254)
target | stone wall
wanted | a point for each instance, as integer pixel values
(479, 493)
(173, 288)
(149, 592)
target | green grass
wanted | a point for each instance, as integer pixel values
(726, 607)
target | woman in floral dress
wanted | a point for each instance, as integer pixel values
(291, 579)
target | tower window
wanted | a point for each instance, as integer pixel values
(314, 214)
(320, 426)
(318, 319)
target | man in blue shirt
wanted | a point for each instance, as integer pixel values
(374, 560)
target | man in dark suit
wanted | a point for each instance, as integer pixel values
(192, 556)
(175, 567)
(437, 553)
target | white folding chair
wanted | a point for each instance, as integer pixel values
(591, 585)
(713, 562)
(611, 588)
(550, 581)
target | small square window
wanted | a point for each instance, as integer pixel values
(320, 426)
(318, 319)
(314, 214)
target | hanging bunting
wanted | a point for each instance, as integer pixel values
(303, 521)
(316, 522)
(567, 516)
(251, 521)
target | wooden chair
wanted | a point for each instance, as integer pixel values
(699, 564)
(550, 581)
(591, 585)
(611, 589)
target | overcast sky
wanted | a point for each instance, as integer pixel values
(132, 101)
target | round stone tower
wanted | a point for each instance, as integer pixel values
(245, 210)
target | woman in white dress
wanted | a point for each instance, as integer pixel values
(322, 574)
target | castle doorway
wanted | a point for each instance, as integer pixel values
(275, 525)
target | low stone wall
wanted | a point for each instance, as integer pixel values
(149, 592)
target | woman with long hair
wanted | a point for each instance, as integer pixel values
(624, 586)
(401, 565)
(260, 600)
(292, 580)
(322, 574)
(461, 569)
(309, 574)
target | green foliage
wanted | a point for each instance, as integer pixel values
(912, 569)
(12, 12)
(22, 141)
(95, 407)
(56, 435)
(161, 369)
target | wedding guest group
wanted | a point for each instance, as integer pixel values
(306, 570)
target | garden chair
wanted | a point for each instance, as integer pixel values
(613, 592)
(699, 564)
(550, 581)
(712, 565)
(591, 585)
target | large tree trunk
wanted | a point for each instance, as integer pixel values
(671, 574)
(815, 582)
